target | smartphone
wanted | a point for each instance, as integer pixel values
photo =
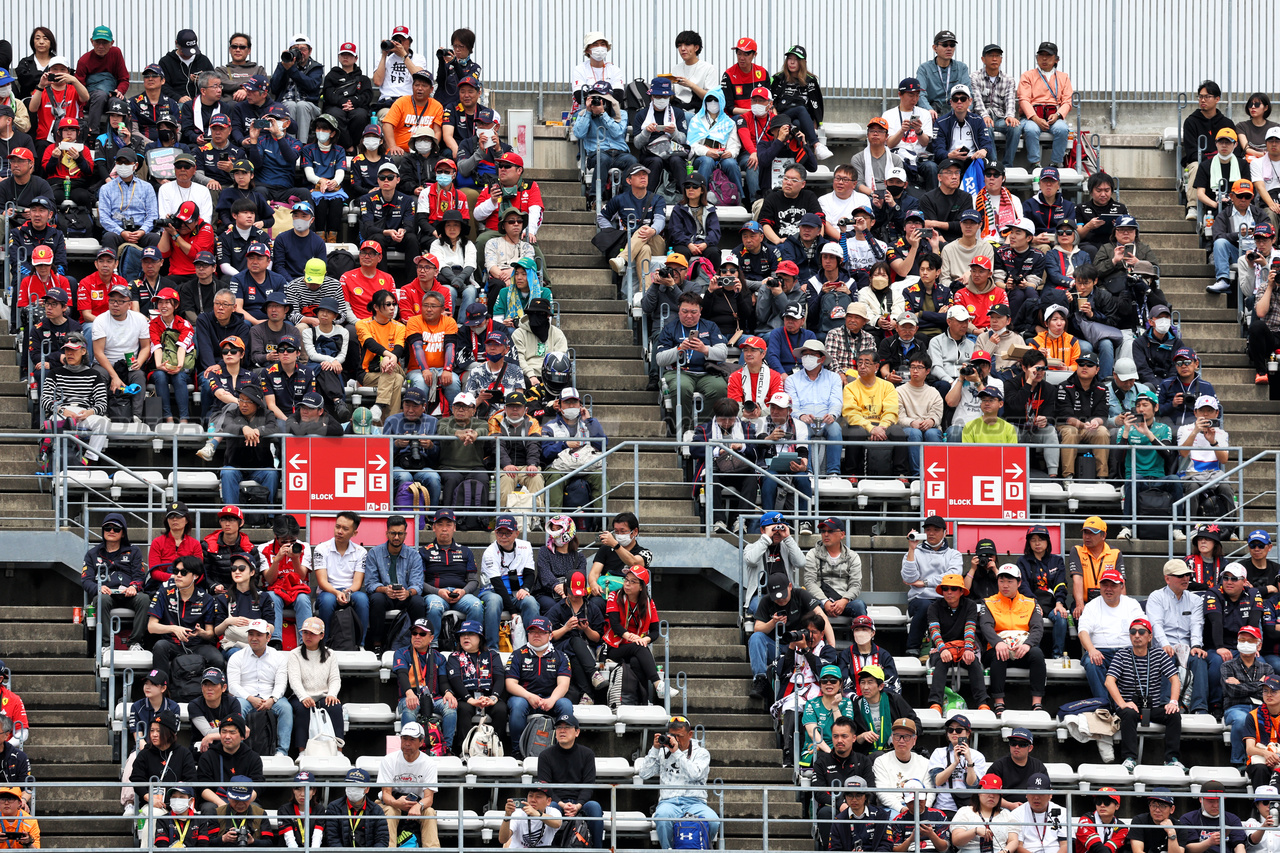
(397, 587)
(1128, 250)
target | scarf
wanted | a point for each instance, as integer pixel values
(197, 114)
(1003, 213)
(668, 118)
(760, 392)
(882, 739)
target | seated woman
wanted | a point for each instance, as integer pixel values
(457, 256)
(693, 227)
(245, 603)
(173, 343)
(631, 627)
(220, 387)
(162, 759)
(735, 480)
(557, 560)
(713, 139)
(314, 681)
(293, 828)
(76, 394)
(324, 163)
(578, 625)
(821, 711)
(524, 286)
(166, 548)
(500, 255)
(284, 572)
(476, 672)
(155, 701)
(1046, 572)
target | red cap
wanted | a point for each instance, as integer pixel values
(762, 92)
(991, 782)
(753, 341)
(1106, 791)
(980, 355)
(429, 258)
(788, 268)
(641, 573)
(22, 154)
(1144, 623)
(746, 44)
(231, 510)
(401, 30)
(1251, 631)
(1112, 575)
(512, 158)
(445, 161)
(188, 211)
(372, 245)
(167, 293)
(984, 261)
(863, 622)
(347, 47)
(42, 255)
(578, 584)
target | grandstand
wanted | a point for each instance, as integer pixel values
(69, 655)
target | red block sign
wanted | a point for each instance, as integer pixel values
(975, 481)
(333, 474)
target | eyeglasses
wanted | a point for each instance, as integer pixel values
(1254, 104)
(956, 99)
(828, 681)
(902, 736)
(239, 47)
(1204, 96)
(184, 572)
(421, 634)
(1137, 632)
(1040, 368)
(112, 528)
(947, 44)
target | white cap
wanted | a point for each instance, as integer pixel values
(912, 788)
(730, 258)
(1234, 568)
(960, 87)
(1055, 309)
(782, 400)
(299, 38)
(262, 626)
(1207, 400)
(1273, 133)
(593, 37)
(466, 398)
(567, 393)
(1124, 368)
(1268, 792)
(412, 730)
(958, 312)
(1024, 224)
(895, 172)
(1010, 570)
(832, 248)
(59, 60)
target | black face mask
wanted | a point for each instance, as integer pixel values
(896, 192)
(540, 324)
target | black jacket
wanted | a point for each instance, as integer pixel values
(1076, 402)
(1154, 359)
(177, 75)
(216, 768)
(831, 771)
(1023, 402)
(371, 831)
(177, 765)
(339, 87)
(378, 215)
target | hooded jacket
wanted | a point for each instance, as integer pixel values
(1153, 358)
(178, 80)
(929, 566)
(216, 767)
(721, 131)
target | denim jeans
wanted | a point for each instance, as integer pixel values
(761, 649)
(705, 166)
(932, 435)
(1060, 629)
(1105, 350)
(418, 379)
(426, 477)
(1225, 256)
(283, 713)
(448, 719)
(301, 613)
(621, 160)
(493, 607)
(803, 122)
(465, 299)
(1060, 130)
(1011, 136)
(1097, 675)
(1236, 718)
(675, 808)
(519, 709)
(826, 457)
(327, 602)
(469, 606)
(232, 477)
(751, 177)
(178, 382)
(769, 490)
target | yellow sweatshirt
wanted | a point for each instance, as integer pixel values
(870, 407)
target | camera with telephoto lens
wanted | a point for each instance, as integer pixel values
(387, 45)
(794, 637)
(968, 369)
(293, 54)
(444, 52)
(166, 221)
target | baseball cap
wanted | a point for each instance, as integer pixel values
(1260, 535)
(57, 294)
(1271, 682)
(313, 400)
(992, 391)
(423, 625)
(906, 724)
(879, 122)
(578, 584)
(1023, 224)
(971, 215)
(1094, 524)
(746, 45)
(1047, 47)
(944, 36)
(240, 788)
(863, 622)
(787, 268)
(1235, 570)
(871, 671)
(540, 623)
(1127, 222)
(234, 341)
(262, 626)
(120, 290)
(1207, 400)
(1184, 352)
(907, 318)
(413, 729)
(1242, 187)
(511, 158)
(258, 248)
(831, 670)
(908, 84)
(778, 584)
(1107, 792)
(637, 169)
(41, 255)
(1008, 570)
(1049, 173)
(830, 525)
(934, 521)
(505, 522)
(853, 784)
(1125, 369)
(447, 514)
(961, 720)
(991, 782)
(473, 626)
(1160, 795)
(567, 720)
(1112, 575)
(811, 220)
(999, 310)
(206, 258)
(961, 89)
(1225, 133)
(781, 399)
(1256, 633)
(958, 312)
(795, 311)
(1022, 733)
(750, 225)
(415, 396)
(771, 517)
(762, 92)
(232, 511)
(980, 355)
(1143, 622)
(277, 297)
(640, 571)
(158, 677)
(567, 393)
(360, 777)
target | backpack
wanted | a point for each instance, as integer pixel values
(340, 261)
(470, 494)
(725, 189)
(482, 740)
(398, 633)
(1213, 506)
(1086, 466)
(185, 672)
(690, 833)
(449, 625)
(433, 743)
(573, 834)
(345, 630)
(635, 95)
(120, 408)
(77, 221)
(615, 687)
(1154, 504)
(538, 735)
(262, 731)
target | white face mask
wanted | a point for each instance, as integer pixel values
(571, 413)
(514, 421)
(124, 171)
(355, 795)
(302, 226)
(713, 108)
(323, 136)
(759, 109)
(1162, 325)
(540, 649)
(371, 143)
(661, 103)
(6, 91)
(624, 539)
(1247, 648)
(599, 54)
(423, 148)
(862, 637)
(179, 805)
(810, 362)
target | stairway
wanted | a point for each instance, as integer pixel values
(69, 739)
(23, 501)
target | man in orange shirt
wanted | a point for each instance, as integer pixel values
(430, 339)
(410, 111)
(359, 285)
(381, 348)
(1044, 99)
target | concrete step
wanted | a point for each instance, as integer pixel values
(577, 231)
(615, 322)
(1160, 226)
(69, 736)
(568, 245)
(1149, 197)
(744, 775)
(716, 741)
(793, 829)
(588, 370)
(1165, 241)
(560, 190)
(1128, 183)
(603, 352)
(546, 177)
(62, 772)
(34, 614)
(599, 275)
(45, 649)
(40, 631)
(687, 618)
(60, 699)
(558, 262)
(67, 754)
(749, 842)
(567, 217)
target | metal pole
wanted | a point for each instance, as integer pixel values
(542, 58)
(1113, 64)
(1231, 28)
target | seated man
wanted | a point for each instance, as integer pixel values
(519, 453)
(1202, 442)
(353, 820)
(414, 458)
(1242, 680)
(537, 681)
(575, 429)
(257, 677)
(699, 348)
(570, 768)
(1233, 229)
(962, 396)
(451, 577)
(387, 217)
(75, 394)
(1260, 736)
(393, 580)
(1012, 626)
(275, 155)
(1082, 416)
(989, 427)
(121, 345)
(679, 762)
(833, 572)
(422, 682)
(464, 465)
(185, 612)
(248, 451)
(1144, 687)
(786, 458)
(508, 571)
(870, 414)
(783, 607)
(1102, 629)
(817, 394)
(338, 564)
(407, 779)
(1044, 99)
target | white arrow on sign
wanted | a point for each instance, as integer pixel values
(935, 471)
(1014, 472)
(297, 461)
(382, 463)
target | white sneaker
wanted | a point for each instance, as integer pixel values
(720, 527)
(1175, 763)
(619, 264)
(1191, 214)
(1125, 533)
(1130, 765)
(600, 679)
(1179, 536)
(660, 687)
(206, 452)
(806, 529)
(586, 699)
(737, 524)
(822, 152)
(352, 386)
(136, 647)
(376, 411)
(1219, 286)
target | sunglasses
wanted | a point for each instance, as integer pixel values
(184, 165)
(421, 634)
(947, 44)
(184, 572)
(1257, 544)
(1138, 632)
(1182, 362)
(948, 588)
(286, 349)
(828, 681)
(239, 47)
(226, 350)
(506, 165)
(959, 98)
(1040, 368)
(240, 567)
(1023, 744)
(112, 528)
(956, 730)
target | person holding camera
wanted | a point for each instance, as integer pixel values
(58, 96)
(910, 132)
(1264, 325)
(422, 682)
(1203, 442)
(1144, 687)
(928, 559)
(965, 392)
(600, 126)
(781, 604)
(274, 154)
(681, 764)
(805, 671)
(1012, 626)
(1117, 259)
(297, 82)
(658, 136)
(396, 67)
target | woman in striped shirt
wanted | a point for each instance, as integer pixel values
(77, 395)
